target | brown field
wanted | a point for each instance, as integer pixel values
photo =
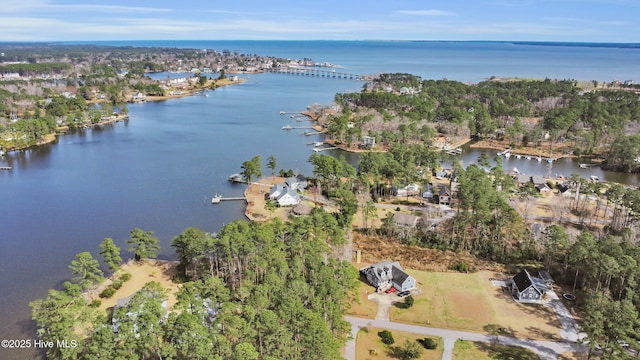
(467, 350)
(376, 248)
(142, 273)
(470, 302)
(368, 339)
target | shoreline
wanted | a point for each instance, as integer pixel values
(62, 130)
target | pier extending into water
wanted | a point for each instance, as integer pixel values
(318, 149)
(216, 199)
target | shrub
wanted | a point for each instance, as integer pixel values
(117, 284)
(429, 343)
(461, 267)
(386, 337)
(125, 277)
(107, 293)
(95, 303)
(408, 301)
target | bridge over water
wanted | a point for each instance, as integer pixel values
(304, 71)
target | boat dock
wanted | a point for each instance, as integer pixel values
(216, 199)
(5, 168)
(318, 149)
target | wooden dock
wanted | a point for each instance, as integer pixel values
(5, 168)
(318, 149)
(218, 198)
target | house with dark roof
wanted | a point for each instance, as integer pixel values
(444, 195)
(387, 274)
(527, 288)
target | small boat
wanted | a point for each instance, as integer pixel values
(282, 113)
(287, 127)
(318, 143)
(235, 178)
(518, 156)
(528, 157)
(515, 170)
(549, 160)
(507, 155)
(539, 159)
(216, 199)
(594, 178)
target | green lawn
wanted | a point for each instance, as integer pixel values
(468, 350)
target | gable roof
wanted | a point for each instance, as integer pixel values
(444, 190)
(399, 275)
(523, 280)
(277, 189)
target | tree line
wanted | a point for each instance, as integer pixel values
(588, 120)
(253, 290)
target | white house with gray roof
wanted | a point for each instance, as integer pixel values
(387, 274)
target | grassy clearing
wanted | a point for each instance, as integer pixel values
(142, 273)
(470, 302)
(368, 339)
(468, 350)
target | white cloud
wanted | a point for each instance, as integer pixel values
(432, 12)
(45, 6)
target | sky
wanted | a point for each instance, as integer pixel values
(503, 20)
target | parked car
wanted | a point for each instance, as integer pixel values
(404, 293)
(390, 290)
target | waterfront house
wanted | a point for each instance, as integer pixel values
(139, 97)
(444, 195)
(387, 274)
(527, 288)
(288, 197)
(296, 182)
(277, 190)
(368, 142)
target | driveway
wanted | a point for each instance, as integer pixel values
(384, 301)
(569, 326)
(547, 350)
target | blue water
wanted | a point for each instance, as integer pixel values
(462, 61)
(159, 170)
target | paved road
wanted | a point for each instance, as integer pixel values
(544, 349)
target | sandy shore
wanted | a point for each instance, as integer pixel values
(143, 272)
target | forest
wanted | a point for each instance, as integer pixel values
(404, 109)
(253, 290)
